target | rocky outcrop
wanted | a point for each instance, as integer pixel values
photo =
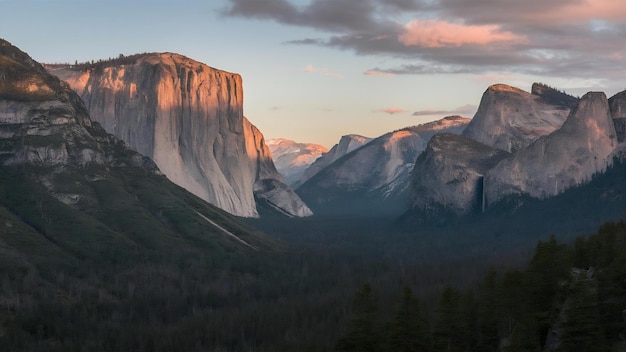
(186, 116)
(43, 122)
(617, 105)
(346, 144)
(292, 159)
(269, 185)
(566, 158)
(509, 118)
(379, 170)
(448, 176)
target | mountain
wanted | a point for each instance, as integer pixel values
(566, 158)
(457, 176)
(448, 176)
(187, 117)
(69, 191)
(509, 118)
(376, 176)
(292, 158)
(346, 144)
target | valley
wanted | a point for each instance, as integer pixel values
(140, 210)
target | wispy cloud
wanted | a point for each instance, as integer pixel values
(461, 110)
(377, 72)
(322, 70)
(391, 111)
(562, 38)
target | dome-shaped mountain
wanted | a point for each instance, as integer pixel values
(509, 118)
(565, 158)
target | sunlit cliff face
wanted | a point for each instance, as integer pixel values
(188, 117)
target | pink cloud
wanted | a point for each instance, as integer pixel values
(585, 10)
(437, 34)
(378, 73)
(391, 111)
(323, 71)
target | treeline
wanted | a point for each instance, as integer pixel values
(568, 298)
(99, 64)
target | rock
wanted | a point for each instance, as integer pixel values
(566, 158)
(378, 172)
(269, 185)
(186, 116)
(448, 176)
(292, 159)
(509, 118)
(346, 144)
(617, 105)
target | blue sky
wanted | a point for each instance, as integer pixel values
(314, 70)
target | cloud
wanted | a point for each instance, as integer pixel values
(437, 34)
(461, 110)
(377, 72)
(323, 71)
(391, 111)
(558, 38)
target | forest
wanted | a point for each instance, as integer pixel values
(565, 297)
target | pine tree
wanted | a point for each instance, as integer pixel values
(408, 331)
(446, 336)
(582, 326)
(364, 333)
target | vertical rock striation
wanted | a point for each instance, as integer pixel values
(187, 117)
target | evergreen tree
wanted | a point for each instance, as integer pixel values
(582, 327)
(488, 340)
(446, 336)
(364, 333)
(407, 331)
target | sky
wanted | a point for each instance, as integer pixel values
(314, 70)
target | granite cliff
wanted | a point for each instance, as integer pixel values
(566, 158)
(509, 118)
(458, 175)
(187, 117)
(448, 176)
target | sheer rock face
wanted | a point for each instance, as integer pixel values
(449, 174)
(381, 169)
(509, 118)
(292, 159)
(617, 104)
(346, 145)
(566, 158)
(186, 116)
